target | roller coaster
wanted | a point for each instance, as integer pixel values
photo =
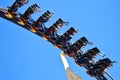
(85, 59)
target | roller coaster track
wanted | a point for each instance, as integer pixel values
(28, 25)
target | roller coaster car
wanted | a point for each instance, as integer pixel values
(26, 17)
(44, 18)
(12, 10)
(87, 57)
(32, 9)
(52, 30)
(92, 53)
(100, 67)
(17, 4)
(76, 47)
(63, 40)
(39, 25)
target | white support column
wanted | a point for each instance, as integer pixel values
(71, 75)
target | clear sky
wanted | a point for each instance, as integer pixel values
(26, 56)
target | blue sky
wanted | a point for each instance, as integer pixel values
(26, 56)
